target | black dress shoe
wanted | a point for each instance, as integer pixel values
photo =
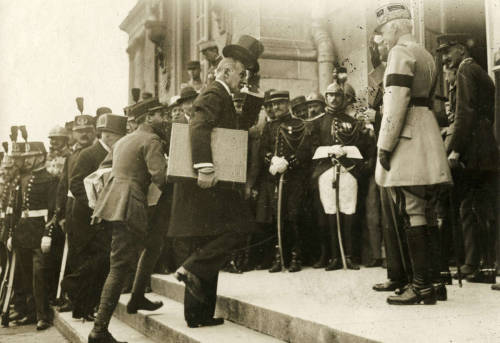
(193, 284)
(350, 264)
(233, 268)
(481, 277)
(334, 264)
(66, 306)
(142, 303)
(27, 320)
(276, 267)
(205, 322)
(42, 325)
(105, 337)
(388, 286)
(414, 296)
(377, 262)
(496, 287)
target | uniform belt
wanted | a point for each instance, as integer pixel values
(419, 102)
(2, 215)
(9, 210)
(35, 213)
(70, 195)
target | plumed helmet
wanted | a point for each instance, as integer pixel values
(349, 91)
(334, 88)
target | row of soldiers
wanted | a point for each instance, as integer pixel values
(311, 161)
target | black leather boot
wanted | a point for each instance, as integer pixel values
(276, 267)
(334, 264)
(295, 263)
(434, 249)
(421, 289)
(321, 262)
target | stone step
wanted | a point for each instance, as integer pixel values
(167, 325)
(77, 331)
(284, 325)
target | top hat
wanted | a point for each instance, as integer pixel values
(391, 12)
(279, 95)
(297, 101)
(193, 65)
(112, 123)
(247, 50)
(83, 121)
(141, 108)
(187, 93)
(451, 39)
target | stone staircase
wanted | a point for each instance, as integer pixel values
(245, 322)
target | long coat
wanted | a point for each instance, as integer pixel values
(472, 134)
(88, 161)
(409, 129)
(138, 160)
(213, 211)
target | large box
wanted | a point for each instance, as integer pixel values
(229, 154)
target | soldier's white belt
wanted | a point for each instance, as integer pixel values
(35, 213)
(70, 195)
(9, 210)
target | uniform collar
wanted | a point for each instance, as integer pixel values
(104, 145)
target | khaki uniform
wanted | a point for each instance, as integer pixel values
(409, 129)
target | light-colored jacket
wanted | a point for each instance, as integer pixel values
(409, 128)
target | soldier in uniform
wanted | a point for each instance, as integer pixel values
(194, 72)
(315, 105)
(203, 242)
(30, 238)
(286, 148)
(411, 154)
(137, 160)
(89, 245)
(210, 51)
(299, 107)
(338, 128)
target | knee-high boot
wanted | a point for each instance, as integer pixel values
(335, 262)
(295, 262)
(434, 249)
(421, 289)
(346, 225)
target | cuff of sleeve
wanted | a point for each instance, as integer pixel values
(203, 165)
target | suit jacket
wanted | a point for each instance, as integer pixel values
(410, 132)
(206, 212)
(88, 161)
(137, 160)
(472, 134)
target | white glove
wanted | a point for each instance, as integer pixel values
(46, 242)
(278, 165)
(370, 114)
(282, 165)
(9, 243)
(338, 151)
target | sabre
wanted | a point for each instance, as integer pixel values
(455, 240)
(279, 224)
(398, 237)
(8, 294)
(337, 205)
(63, 266)
(5, 277)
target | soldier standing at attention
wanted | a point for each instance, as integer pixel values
(472, 150)
(411, 154)
(30, 238)
(286, 149)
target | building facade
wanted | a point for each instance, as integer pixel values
(303, 39)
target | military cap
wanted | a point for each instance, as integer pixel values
(142, 107)
(448, 40)
(83, 121)
(279, 95)
(239, 96)
(34, 148)
(112, 123)
(391, 12)
(207, 45)
(58, 131)
(187, 93)
(247, 50)
(267, 95)
(193, 65)
(102, 110)
(297, 101)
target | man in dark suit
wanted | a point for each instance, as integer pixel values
(204, 241)
(472, 153)
(137, 160)
(89, 245)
